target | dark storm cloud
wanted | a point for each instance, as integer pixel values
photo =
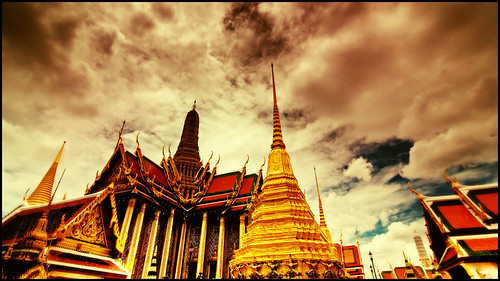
(324, 18)
(254, 32)
(28, 40)
(465, 27)
(162, 11)
(40, 46)
(103, 41)
(383, 154)
(140, 24)
(337, 133)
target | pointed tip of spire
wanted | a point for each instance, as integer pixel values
(58, 157)
(194, 105)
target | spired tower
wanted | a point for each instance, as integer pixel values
(424, 258)
(187, 157)
(283, 239)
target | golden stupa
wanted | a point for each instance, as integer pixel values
(283, 240)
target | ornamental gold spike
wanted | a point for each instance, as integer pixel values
(277, 134)
(321, 214)
(43, 192)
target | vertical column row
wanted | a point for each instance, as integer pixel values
(151, 244)
(181, 250)
(220, 249)
(201, 249)
(166, 245)
(135, 238)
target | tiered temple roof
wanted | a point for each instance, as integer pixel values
(463, 228)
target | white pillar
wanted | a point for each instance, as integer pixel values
(166, 245)
(201, 249)
(242, 230)
(135, 238)
(151, 245)
(180, 256)
(220, 249)
(126, 223)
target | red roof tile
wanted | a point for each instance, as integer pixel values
(387, 275)
(400, 272)
(223, 183)
(490, 201)
(458, 216)
(482, 244)
(246, 186)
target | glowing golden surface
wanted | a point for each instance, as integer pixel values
(43, 192)
(283, 239)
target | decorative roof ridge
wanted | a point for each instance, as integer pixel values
(237, 187)
(426, 208)
(204, 185)
(100, 196)
(478, 209)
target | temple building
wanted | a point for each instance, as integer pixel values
(409, 271)
(463, 229)
(176, 219)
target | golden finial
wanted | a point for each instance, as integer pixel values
(24, 198)
(248, 158)
(163, 151)
(169, 153)
(277, 134)
(212, 154)
(217, 161)
(64, 196)
(414, 191)
(263, 163)
(121, 130)
(137, 139)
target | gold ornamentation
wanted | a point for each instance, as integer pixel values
(89, 226)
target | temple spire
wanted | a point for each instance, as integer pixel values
(322, 222)
(187, 157)
(277, 134)
(43, 192)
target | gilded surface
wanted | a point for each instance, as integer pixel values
(283, 238)
(89, 228)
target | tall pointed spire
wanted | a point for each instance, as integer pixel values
(322, 222)
(187, 157)
(43, 192)
(277, 134)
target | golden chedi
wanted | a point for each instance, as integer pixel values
(283, 240)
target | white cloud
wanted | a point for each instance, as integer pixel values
(359, 168)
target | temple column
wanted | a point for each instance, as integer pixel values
(180, 255)
(201, 249)
(242, 230)
(151, 245)
(126, 221)
(220, 249)
(166, 245)
(135, 238)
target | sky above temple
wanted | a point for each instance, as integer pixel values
(371, 94)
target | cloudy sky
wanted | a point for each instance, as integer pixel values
(371, 94)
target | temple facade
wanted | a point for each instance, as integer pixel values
(463, 230)
(176, 219)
